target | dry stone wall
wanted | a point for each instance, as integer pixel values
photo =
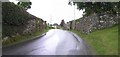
(88, 24)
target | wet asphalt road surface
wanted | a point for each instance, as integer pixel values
(54, 42)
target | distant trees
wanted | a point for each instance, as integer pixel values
(62, 23)
(55, 24)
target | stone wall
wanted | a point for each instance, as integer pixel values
(35, 25)
(88, 24)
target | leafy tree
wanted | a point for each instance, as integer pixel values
(98, 7)
(26, 5)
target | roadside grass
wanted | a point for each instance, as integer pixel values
(104, 42)
(22, 38)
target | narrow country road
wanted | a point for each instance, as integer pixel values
(55, 42)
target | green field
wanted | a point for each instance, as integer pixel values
(104, 42)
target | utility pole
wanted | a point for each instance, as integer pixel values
(50, 20)
(73, 22)
(74, 17)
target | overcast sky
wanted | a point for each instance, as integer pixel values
(53, 11)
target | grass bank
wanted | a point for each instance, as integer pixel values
(22, 38)
(104, 42)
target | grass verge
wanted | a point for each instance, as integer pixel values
(104, 42)
(22, 38)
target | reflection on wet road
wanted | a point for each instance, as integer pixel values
(55, 42)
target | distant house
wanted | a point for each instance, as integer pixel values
(55, 25)
(71, 25)
(68, 25)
